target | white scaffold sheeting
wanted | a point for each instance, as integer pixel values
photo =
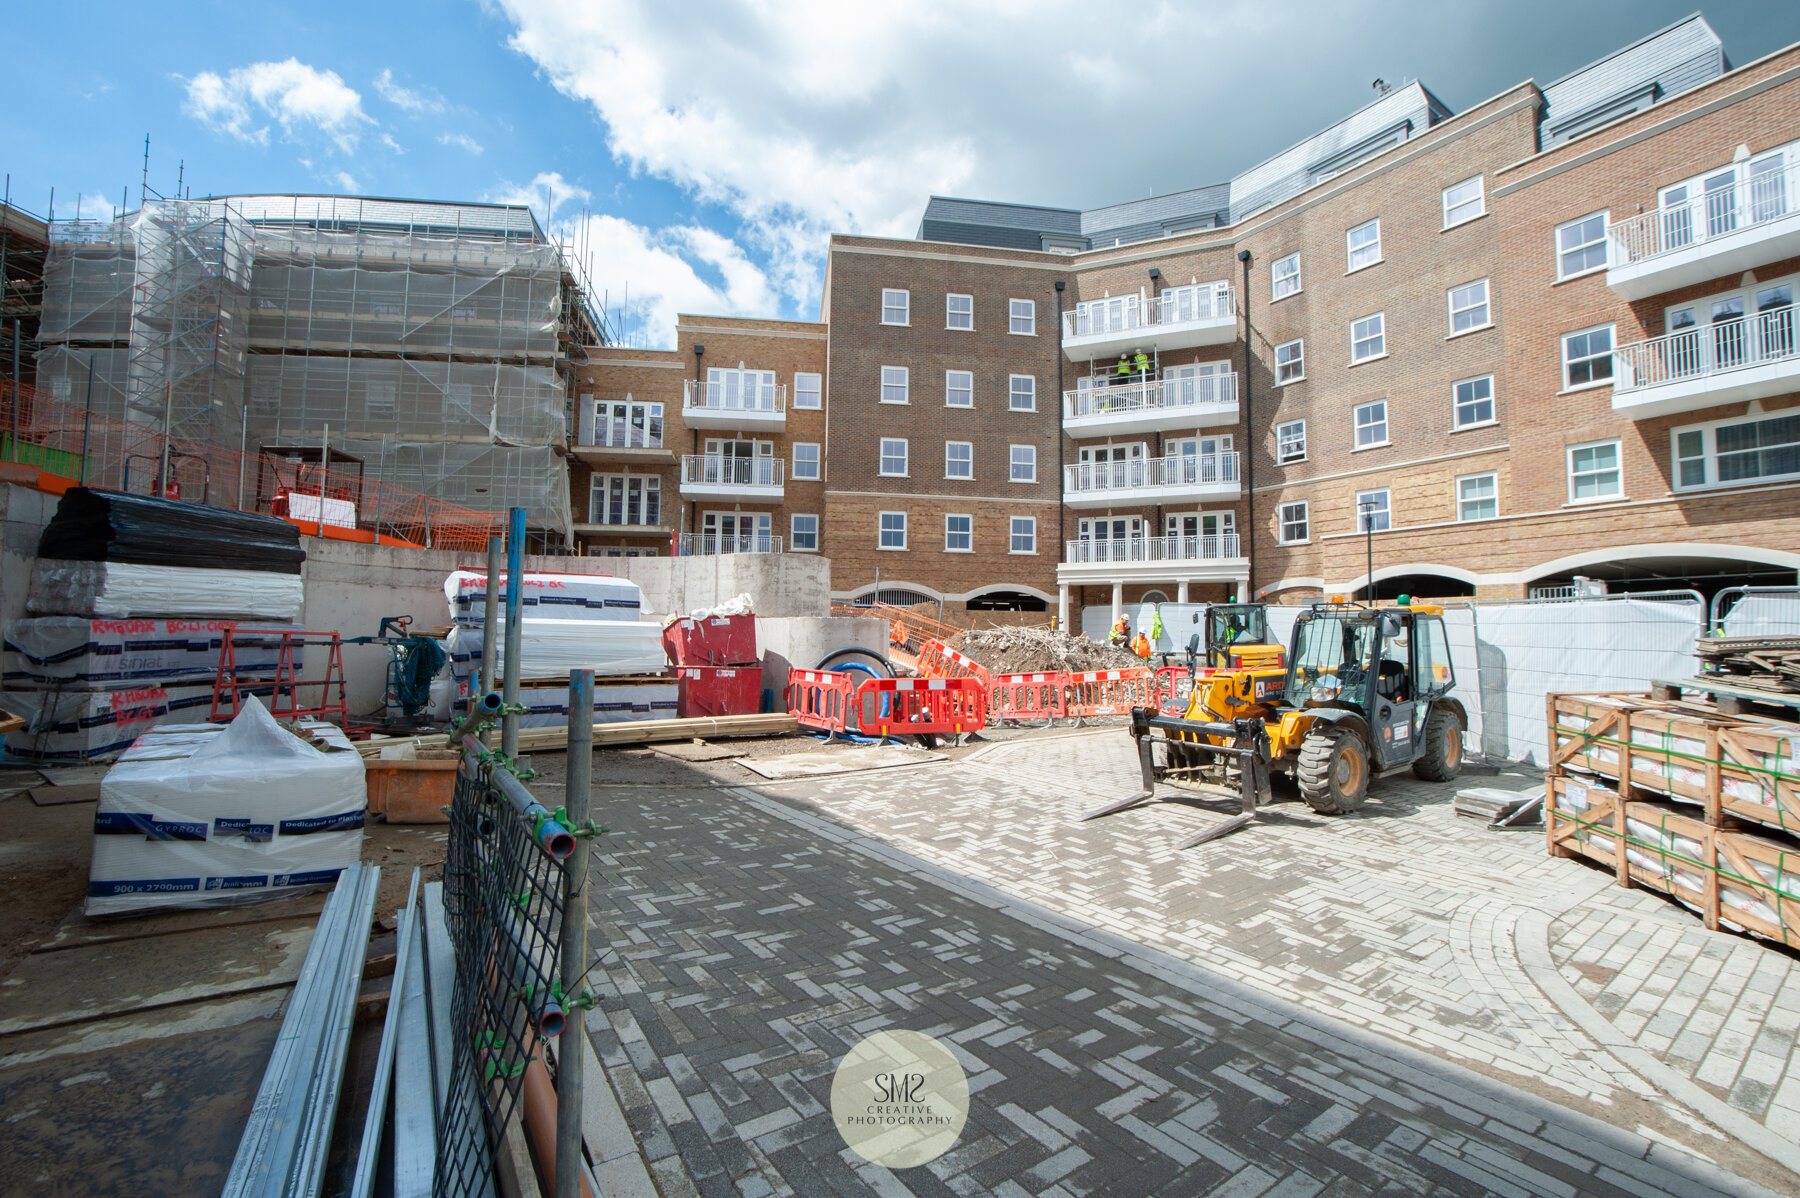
(614, 703)
(1764, 615)
(551, 648)
(251, 812)
(74, 651)
(70, 727)
(120, 589)
(558, 596)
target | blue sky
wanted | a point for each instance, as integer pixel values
(703, 151)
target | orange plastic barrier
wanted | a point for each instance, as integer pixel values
(1173, 689)
(1027, 697)
(938, 660)
(912, 706)
(1110, 692)
(821, 698)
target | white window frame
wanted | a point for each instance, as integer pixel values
(1351, 249)
(1451, 219)
(1612, 336)
(1457, 424)
(601, 481)
(1358, 359)
(1014, 533)
(1018, 310)
(1284, 442)
(1277, 277)
(1462, 500)
(970, 459)
(818, 462)
(881, 532)
(903, 305)
(1299, 360)
(881, 461)
(951, 314)
(794, 532)
(1012, 463)
(1709, 454)
(1556, 245)
(1618, 468)
(1486, 306)
(1382, 518)
(1284, 520)
(1357, 445)
(951, 391)
(1012, 392)
(817, 390)
(970, 533)
(902, 379)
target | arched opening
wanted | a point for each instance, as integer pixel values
(1422, 586)
(897, 597)
(1154, 597)
(1005, 601)
(1680, 568)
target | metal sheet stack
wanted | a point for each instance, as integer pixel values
(129, 599)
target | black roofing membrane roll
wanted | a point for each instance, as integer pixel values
(93, 525)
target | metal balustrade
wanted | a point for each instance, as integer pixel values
(1764, 196)
(1176, 470)
(712, 544)
(735, 391)
(1151, 549)
(716, 470)
(1121, 313)
(1196, 392)
(1716, 348)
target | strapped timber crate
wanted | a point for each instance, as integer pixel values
(1730, 765)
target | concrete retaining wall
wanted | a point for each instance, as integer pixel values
(801, 642)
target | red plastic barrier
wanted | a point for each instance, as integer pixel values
(1110, 692)
(911, 706)
(717, 690)
(1027, 696)
(1174, 687)
(938, 660)
(821, 698)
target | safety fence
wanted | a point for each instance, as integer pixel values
(1174, 688)
(884, 707)
(1016, 697)
(938, 660)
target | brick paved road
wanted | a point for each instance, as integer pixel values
(755, 944)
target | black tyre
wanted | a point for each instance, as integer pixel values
(1333, 770)
(1441, 753)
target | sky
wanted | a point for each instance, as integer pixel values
(701, 153)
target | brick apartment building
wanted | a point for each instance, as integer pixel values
(1549, 336)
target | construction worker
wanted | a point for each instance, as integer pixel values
(1121, 632)
(1141, 363)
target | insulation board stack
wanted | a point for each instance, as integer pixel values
(1681, 799)
(716, 664)
(129, 600)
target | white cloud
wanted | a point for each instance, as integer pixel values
(302, 100)
(417, 102)
(665, 272)
(387, 139)
(461, 141)
(547, 194)
(346, 181)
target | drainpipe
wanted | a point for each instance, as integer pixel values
(1248, 536)
(1060, 438)
(694, 433)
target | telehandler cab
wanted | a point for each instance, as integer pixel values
(1365, 691)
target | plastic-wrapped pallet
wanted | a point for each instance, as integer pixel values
(126, 589)
(69, 727)
(201, 817)
(558, 596)
(551, 648)
(74, 651)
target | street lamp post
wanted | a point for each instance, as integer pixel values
(1367, 509)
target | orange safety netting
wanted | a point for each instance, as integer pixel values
(324, 493)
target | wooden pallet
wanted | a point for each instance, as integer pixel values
(1732, 766)
(1733, 879)
(1731, 698)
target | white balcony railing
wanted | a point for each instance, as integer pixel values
(712, 544)
(1761, 197)
(1151, 549)
(735, 391)
(1176, 470)
(1717, 348)
(1216, 391)
(715, 470)
(1122, 313)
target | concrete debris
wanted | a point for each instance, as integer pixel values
(1027, 650)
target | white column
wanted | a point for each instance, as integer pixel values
(1062, 606)
(1181, 591)
(1118, 606)
(1243, 590)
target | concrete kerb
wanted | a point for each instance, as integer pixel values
(1443, 1080)
(1531, 938)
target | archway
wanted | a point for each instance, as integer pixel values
(997, 600)
(1673, 567)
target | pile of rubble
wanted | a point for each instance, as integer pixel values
(1027, 650)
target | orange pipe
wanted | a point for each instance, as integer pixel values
(539, 1103)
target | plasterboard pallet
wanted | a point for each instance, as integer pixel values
(1737, 880)
(1732, 766)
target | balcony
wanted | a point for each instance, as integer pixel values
(711, 476)
(738, 400)
(1179, 318)
(712, 544)
(1728, 361)
(1719, 233)
(1153, 405)
(1150, 480)
(1149, 559)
